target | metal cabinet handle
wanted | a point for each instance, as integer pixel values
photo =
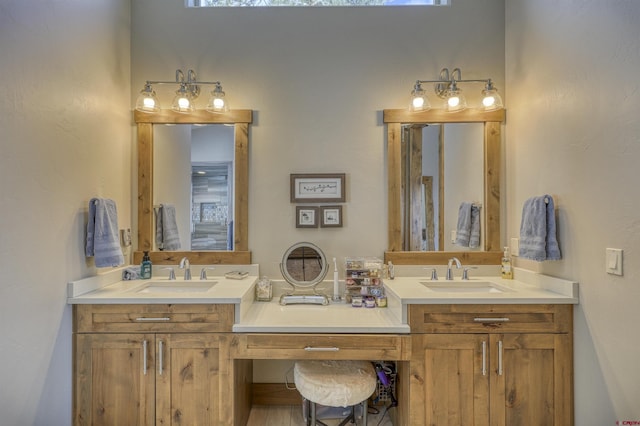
(144, 357)
(484, 358)
(328, 349)
(160, 357)
(153, 319)
(500, 358)
(502, 319)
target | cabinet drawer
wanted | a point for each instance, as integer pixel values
(152, 318)
(322, 346)
(491, 318)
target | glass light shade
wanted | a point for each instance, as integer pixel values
(419, 101)
(147, 100)
(218, 102)
(455, 100)
(182, 101)
(491, 100)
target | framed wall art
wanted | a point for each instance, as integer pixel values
(306, 217)
(317, 188)
(331, 216)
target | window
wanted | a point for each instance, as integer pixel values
(313, 3)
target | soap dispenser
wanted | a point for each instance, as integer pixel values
(145, 266)
(506, 270)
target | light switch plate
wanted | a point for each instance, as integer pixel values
(515, 247)
(613, 261)
(453, 236)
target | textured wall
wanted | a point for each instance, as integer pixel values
(65, 137)
(317, 79)
(573, 132)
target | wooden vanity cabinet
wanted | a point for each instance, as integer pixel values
(151, 364)
(498, 365)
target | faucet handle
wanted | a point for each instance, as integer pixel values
(172, 273)
(465, 272)
(434, 274)
(203, 272)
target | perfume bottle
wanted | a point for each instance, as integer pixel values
(506, 270)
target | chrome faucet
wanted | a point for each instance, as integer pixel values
(434, 273)
(184, 264)
(203, 272)
(449, 264)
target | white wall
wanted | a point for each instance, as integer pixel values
(172, 176)
(65, 127)
(463, 176)
(573, 132)
(317, 79)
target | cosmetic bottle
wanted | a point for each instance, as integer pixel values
(145, 266)
(506, 270)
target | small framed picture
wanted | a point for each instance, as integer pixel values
(306, 217)
(317, 188)
(331, 216)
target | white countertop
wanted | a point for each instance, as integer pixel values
(526, 288)
(270, 317)
(108, 288)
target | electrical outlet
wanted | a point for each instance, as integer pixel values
(125, 237)
(453, 236)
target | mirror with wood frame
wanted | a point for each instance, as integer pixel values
(240, 120)
(491, 252)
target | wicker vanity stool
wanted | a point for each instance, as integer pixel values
(335, 384)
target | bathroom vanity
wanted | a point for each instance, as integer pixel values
(500, 357)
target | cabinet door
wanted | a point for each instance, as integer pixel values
(531, 379)
(115, 379)
(188, 377)
(450, 380)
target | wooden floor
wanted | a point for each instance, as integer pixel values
(290, 415)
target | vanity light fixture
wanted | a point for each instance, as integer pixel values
(446, 87)
(184, 100)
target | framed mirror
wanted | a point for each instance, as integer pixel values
(442, 167)
(304, 266)
(398, 121)
(199, 157)
(239, 120)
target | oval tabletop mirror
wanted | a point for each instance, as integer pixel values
(304, 266)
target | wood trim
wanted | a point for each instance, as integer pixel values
(442, 257)
(427, 181)
(196, 257)
(414, 217)
(440, 116)
(274, 394)
(492, 167)
(394, 155)
(167, 116)
(145, 186)
(241, 196)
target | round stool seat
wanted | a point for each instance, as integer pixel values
(335, 383)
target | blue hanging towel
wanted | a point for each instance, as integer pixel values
(538, 239)
(103, 242)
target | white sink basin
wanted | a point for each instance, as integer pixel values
(176, 287)
(464, 287)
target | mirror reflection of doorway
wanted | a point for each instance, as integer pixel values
(211, 206)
